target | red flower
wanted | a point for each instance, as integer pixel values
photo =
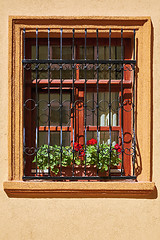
(117, 148)
(92, 141)
(77, 147)
(82, 153)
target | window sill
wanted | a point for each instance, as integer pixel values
(43, 189)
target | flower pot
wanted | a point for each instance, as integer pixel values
(79, 171)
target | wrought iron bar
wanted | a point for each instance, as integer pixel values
(85, 96)
(61, 150)
(116, 75)
(63, 178)
(73, 102)
(93, 110)
(24, 80)
(97, 106)
(78, 61)
(122, 102)
(37, 127)
(133, 107)
(73, 62)
(110, 136)
(49, 105)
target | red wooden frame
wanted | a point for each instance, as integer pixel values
(79, 95)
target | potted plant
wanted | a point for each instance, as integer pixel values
(82, 156)
(104, 159)
(54, 154)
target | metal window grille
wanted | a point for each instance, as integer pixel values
(50, 65)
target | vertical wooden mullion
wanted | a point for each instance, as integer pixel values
(127, 131)
(127, 112)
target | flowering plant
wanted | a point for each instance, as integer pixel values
(82, 155)
(105, 158)
(50, 157)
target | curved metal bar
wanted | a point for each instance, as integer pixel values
(30, 151)
(129, 103)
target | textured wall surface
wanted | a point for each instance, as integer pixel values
(78, 218)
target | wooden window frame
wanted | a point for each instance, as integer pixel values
(144, 186)
(79, 90)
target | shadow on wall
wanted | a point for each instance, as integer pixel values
(138, 162)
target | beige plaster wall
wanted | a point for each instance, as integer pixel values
(78, 218)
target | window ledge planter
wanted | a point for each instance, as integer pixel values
(83, 161)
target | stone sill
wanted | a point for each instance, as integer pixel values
(47, 189)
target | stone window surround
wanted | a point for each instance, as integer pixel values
(144, 187)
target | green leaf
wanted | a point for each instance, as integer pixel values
(56, 170)
(106, 167)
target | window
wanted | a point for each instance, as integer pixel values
(15, 186)
(79, 105)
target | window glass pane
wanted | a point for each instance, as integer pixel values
(104, 137)
(89, 52)
(55, 138)
(118, 66)
(103, 108)
(43, 54)
(91, 109)
(55, 109)
(90, 56)
(66, 52)
(66, 55)
(118, 49)
(104, 69)
(103, 55)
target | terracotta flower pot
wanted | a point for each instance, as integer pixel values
(79, 171)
